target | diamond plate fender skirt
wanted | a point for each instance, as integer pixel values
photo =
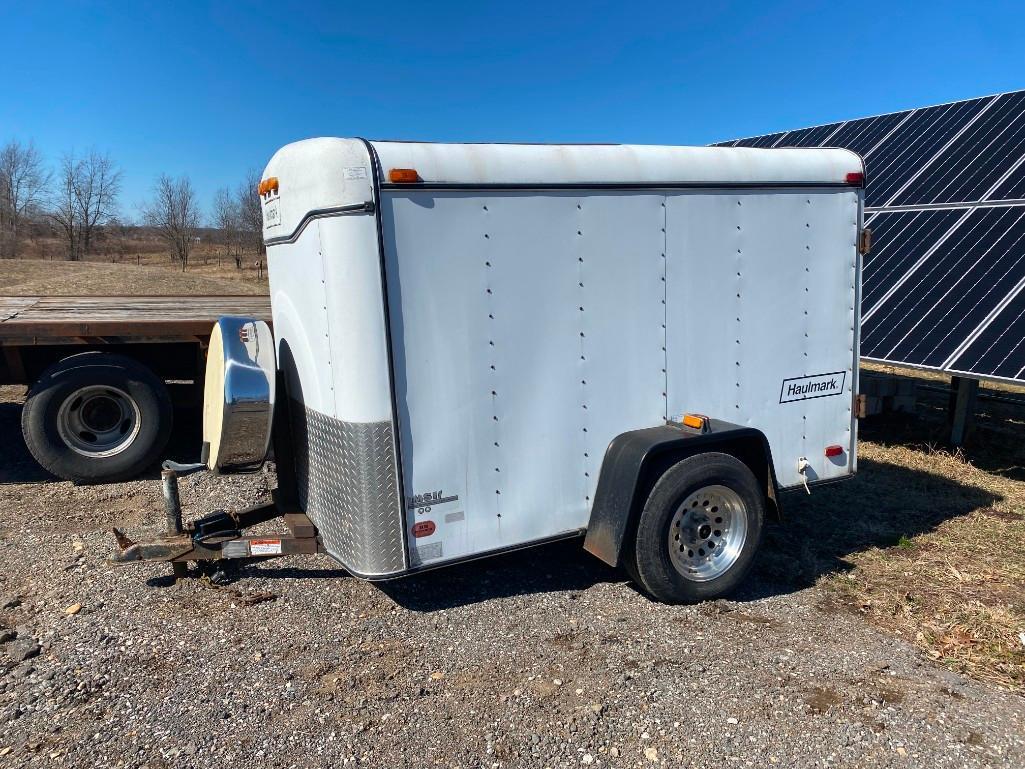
(348, 486)
(635, 460)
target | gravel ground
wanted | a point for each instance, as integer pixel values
(541, 658)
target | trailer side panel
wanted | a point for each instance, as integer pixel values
(551, 322)
(762, 316)
(540, 339)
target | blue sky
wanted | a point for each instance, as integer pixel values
(211, 89)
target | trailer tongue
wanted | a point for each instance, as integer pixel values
(238, 412)
(218, 535)
(478, 348)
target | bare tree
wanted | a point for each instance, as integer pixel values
(64, 208)
(174, 214)
(85, 199)
(23, 182)
(250, 209)
(226, 219)
(117, 230)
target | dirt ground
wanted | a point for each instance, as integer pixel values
(878, 629)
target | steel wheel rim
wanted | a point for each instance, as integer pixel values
(707, 533)
(98, 421)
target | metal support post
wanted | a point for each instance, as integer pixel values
(173, 511)
(962, 407)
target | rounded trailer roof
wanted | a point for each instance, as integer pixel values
(613, 164)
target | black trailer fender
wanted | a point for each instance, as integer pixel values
(635, 460)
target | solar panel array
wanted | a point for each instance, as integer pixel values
(944, 286)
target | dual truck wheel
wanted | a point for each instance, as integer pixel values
(699, 530)
(97, 417)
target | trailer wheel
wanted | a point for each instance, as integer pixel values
(699, 530)
(97, 417)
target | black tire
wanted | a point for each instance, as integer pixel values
(136, 394)
(652, 566)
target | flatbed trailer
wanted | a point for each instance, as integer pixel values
(99, 368)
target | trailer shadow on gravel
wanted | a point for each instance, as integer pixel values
(880, 507)
(557, 567)
(876, 509)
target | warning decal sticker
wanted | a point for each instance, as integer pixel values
(265, 547)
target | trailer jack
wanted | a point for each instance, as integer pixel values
(217, 536)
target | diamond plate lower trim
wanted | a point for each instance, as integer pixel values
(348, 487)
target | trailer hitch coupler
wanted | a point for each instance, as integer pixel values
(172, 502)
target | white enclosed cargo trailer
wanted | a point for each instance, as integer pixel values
(481, 347)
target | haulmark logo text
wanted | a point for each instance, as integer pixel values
(815, 386)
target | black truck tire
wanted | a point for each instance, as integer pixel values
(97, 417)
(699, 530)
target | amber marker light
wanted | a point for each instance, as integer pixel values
(694, 420)
(403, 176)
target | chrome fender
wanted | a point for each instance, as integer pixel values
(238, 395)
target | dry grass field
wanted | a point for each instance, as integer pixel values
(926, 543)
(139, 266)
(27, 277)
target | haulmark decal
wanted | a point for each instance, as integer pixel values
(805, 388)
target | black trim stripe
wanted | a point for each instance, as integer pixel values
(367, 207)
(375, 165)
(464, 186)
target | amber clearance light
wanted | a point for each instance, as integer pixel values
(697, 421)
(403, 176)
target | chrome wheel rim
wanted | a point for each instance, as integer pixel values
(98, 421)
(707, 533)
